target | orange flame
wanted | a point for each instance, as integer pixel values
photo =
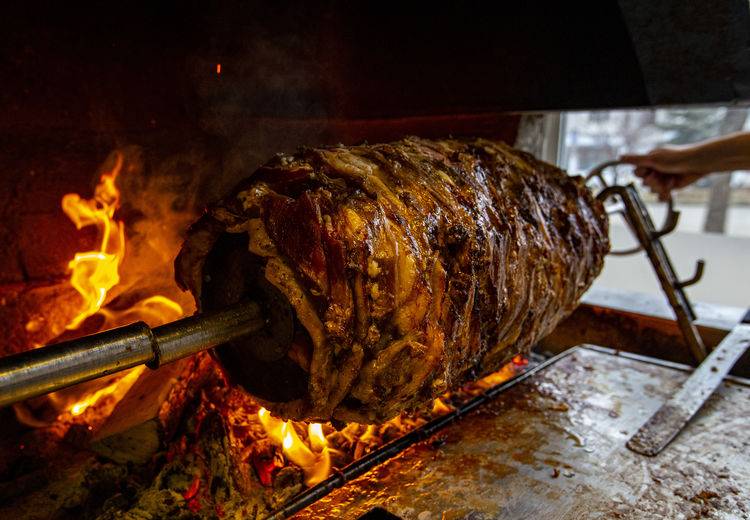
(495, 378)
(118, 389)
(313, 455)
(317, 438)
(314, 460)
(294, 449)
(440, 408)
(94, 273)
(272, 426)
(154, 310)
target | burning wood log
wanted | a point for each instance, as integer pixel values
(148, 414)
(410, 267)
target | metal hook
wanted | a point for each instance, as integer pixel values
(671, 220)
(633, 250)
(699, 266)
(626, 252)
(615, 191)
(599, 169)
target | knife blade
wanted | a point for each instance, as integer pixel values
(676, 412)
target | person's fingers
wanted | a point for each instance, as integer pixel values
(658, 175)
(659, 184)
(638, 160)
(664, 160)
(653, 181)
(668, 184)
(663, 184)
(686, 180)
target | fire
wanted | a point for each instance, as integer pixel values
(495, 378)
(272, 426)
(325, 447)
(154, 310)
(439, 407)
(317, 438)
(315, 459)
(94, 273)
(294, 449)
(117, 389)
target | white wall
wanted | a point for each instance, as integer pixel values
(726, 279)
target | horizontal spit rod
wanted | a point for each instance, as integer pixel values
(46, 369)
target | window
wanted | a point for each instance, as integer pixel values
(715, 212)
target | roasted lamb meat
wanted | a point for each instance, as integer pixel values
(392, 272)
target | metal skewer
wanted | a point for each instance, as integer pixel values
(46, 369)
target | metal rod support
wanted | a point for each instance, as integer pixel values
(641, 223)
(47, 369)
(649, 238)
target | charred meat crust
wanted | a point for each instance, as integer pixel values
(412, 265)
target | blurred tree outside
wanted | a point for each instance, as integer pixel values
(718, 202)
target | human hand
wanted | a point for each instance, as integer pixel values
(666, 169)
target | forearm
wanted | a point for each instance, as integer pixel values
(726, 153)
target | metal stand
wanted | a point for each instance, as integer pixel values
(638, 219)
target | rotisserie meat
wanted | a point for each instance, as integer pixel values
(410, 267)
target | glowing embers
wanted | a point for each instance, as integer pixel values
(319, 448)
